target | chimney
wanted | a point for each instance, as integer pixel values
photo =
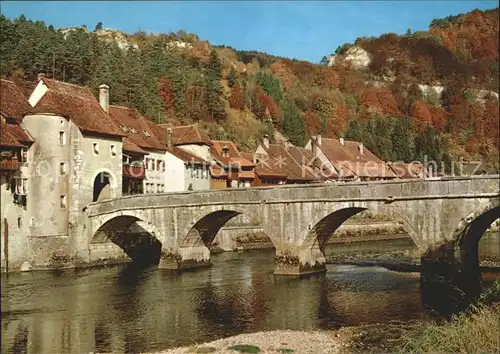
(341, 139)
(318, 139)
(40, 76)
(169, 137)
(314, 145)
(265, 141)
(361, 148)
(104, 97)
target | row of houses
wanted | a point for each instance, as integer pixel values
(62, 148)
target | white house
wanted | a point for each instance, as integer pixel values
(141, 139)
(77, 160)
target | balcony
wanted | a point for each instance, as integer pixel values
(9, 165)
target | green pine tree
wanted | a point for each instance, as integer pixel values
(293, 125)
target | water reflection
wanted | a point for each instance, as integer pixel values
(132, 309)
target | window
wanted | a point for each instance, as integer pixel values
(197, 172)
(62, 137)
(112, 147)
(151, 164)
(163, 166)
(146, 189)
(158, 165)
(19, 222)
(25, 185)
(63, 202)
(62, 168)
(32, 222)
(24, 155)
(190, 168)
(96, 148)
(20, 185)
(62, 123)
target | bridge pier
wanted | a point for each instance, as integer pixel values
(449, 278)
(299, 262)
(185, 258)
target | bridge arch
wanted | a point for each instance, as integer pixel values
(323, 229)
(139, 239)
(206, 224)
(471, 230)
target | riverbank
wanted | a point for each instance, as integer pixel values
(464, 333)
(269, 342)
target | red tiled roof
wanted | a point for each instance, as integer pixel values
(408, 170)
(7, 138)
(235, 158)
(279, 159)
(78, 104)
(217, 172)
(186, 156)
(186, 134)
(136, 127)
(13, 102)
(263, 171)
(352, 158)
(131, 147)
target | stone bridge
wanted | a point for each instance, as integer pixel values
(445, 218)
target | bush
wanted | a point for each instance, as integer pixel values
(475, 333)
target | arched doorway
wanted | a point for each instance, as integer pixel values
(103, 187)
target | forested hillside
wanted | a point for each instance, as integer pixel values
(431, 93)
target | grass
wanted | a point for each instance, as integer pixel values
(472, 331)
(245, 348)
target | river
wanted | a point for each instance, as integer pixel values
(128, 309)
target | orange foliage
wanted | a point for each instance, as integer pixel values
(379, 100)
(439, 118)
(165, 92)
(387, 101)
(284, 74)
(237, 98)
(326, 77)
(473, 144)
(369, 98)
(313, 123)
(422, 116)
(491, 122)
(265, 106)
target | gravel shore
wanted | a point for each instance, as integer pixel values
(297, 342)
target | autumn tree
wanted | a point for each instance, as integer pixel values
(237, 98)
(422, 116)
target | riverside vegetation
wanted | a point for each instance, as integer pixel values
(428, 93)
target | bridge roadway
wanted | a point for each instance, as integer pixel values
(445, 218)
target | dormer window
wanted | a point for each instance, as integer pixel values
(133, 130)
(146, 134)
(225, 151)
